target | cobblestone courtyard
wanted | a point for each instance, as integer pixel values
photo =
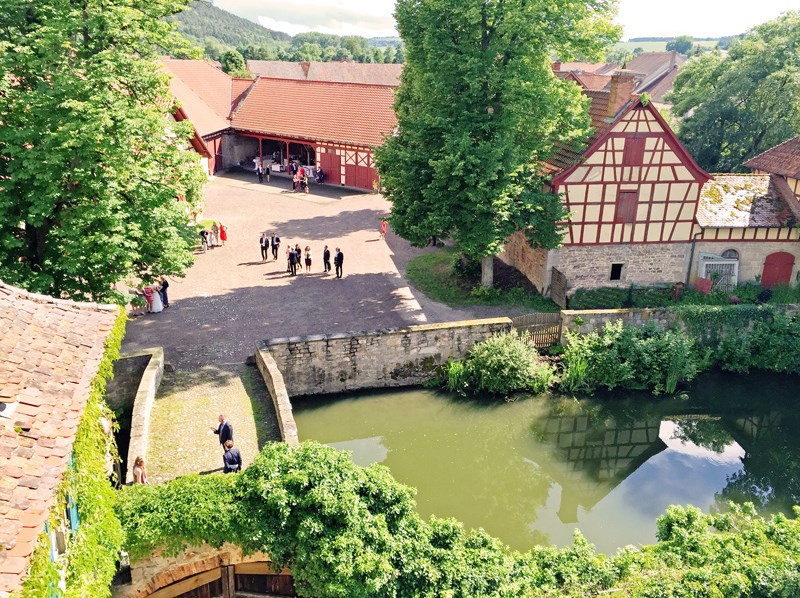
(230, 299)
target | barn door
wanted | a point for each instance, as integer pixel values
(332, 165)
(777, 269)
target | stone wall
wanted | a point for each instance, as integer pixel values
(121, 390)
(644, 264)
(280, 397)
(752, 255)
(585, 321)
(237, 148)
(518, 253)
(385, 358)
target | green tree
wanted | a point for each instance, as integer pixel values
(734, 106)
(478, 108)
(681, 44)
(232, 62)
(91, 166)
(400, 55)
(389, 54)
(377, 56)
(308, 52)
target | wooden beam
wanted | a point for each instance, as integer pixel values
(187, 585)
(261, 568)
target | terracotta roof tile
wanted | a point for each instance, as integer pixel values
(783, 159)
(40, 332)
(316, 110)
(332, 72)
(747, 201)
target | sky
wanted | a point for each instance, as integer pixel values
(373, 18)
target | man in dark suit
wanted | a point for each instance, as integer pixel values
(326, 259)
(224, 430)
(264, 243)
(338, 261)
(293, 257)
(232, 458)
(275, 241)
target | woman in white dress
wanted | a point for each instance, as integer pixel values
(158, 305)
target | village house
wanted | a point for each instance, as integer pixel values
(330, 116)
(783, 160)
(643, 213)
(50, 352)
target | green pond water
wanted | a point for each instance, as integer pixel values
(533, 470)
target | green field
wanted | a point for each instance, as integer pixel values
(657, 46)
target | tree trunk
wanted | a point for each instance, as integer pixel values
(487, 272)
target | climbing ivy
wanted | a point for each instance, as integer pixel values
(92, 550)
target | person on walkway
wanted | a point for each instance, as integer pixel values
(326, 259)
(204, 239)
(224, 430)
(304, 184)
(223, 234)
(156, 305)
(383, 229)
(260, 173)
(214, 235)
(163, 286)
(338, 261)
(288, 257)
(231, 458)
(299, 253)
(139, 471)
(294, 257)
(275, 242)
(264, 244)
(148, 292)
(320, 175)
(308, 258)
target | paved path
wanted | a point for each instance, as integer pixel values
(230, 299)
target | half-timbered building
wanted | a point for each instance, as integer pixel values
(643, 212)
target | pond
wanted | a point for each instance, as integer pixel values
(533, 470)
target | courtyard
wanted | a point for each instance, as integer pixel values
(230, 299)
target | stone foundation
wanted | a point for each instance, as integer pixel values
(384, 358)
(752, 255)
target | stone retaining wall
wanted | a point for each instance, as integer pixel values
(384, 358)
(280, 397)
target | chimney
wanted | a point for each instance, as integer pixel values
(557, 67)
(623, 84)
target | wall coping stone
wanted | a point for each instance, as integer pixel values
(279, 395)
(143, 404)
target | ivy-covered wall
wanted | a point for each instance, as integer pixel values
(89, 562)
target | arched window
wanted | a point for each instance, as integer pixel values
(730, 254)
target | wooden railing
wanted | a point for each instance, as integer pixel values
(544, 328)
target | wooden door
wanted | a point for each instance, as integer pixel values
(777, 269)
(332, 165)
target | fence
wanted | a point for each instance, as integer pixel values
(544, 328)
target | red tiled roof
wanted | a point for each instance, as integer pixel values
(50, 350)
(651, 63)
(747, 201)
(333, 72)
(661, 87)
(239, 90)
(317, 111)
(203, 117)
(783, 159)
(207, 81)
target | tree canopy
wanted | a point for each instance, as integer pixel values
(91, 166)
(734, 106)
(681, 44)
(478, 107)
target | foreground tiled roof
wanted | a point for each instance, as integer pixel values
(317, 111)
(747, 201)
(204, 91)
(783, 159)
(332, 72)
(653, 63)
(50, 350)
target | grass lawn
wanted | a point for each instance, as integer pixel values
(432, 273)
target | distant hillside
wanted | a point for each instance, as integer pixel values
(383, 42)
(202, 20)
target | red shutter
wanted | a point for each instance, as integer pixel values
(626, 206)
(634, 151)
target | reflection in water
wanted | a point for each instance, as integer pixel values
(533, 470)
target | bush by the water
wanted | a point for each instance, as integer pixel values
(650, 357)
(348, 531)
(503, 364)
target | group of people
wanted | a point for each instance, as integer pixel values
(298, 257)
(231, 457)
(298, 173)
(215, 237)
(155, 298)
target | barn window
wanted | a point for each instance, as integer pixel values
(616, 272)
(730, 254)
(633, 154)
(626, 206)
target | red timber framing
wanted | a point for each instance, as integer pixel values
(350, 165)
(726, 235)
(635, 184)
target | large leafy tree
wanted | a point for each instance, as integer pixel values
(91, 165)
(734, 106)
(478, 108)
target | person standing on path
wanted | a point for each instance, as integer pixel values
(293, 257)
(231, 458)
(299, 254)
(223, 234)
(224, 430)
(275, 241)
(264, 243)
(338, 261)
(163, 286)
(260, 173)
(214, 235)
(139, 471)
(326, 259)
(383, 229)
(308, 258)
